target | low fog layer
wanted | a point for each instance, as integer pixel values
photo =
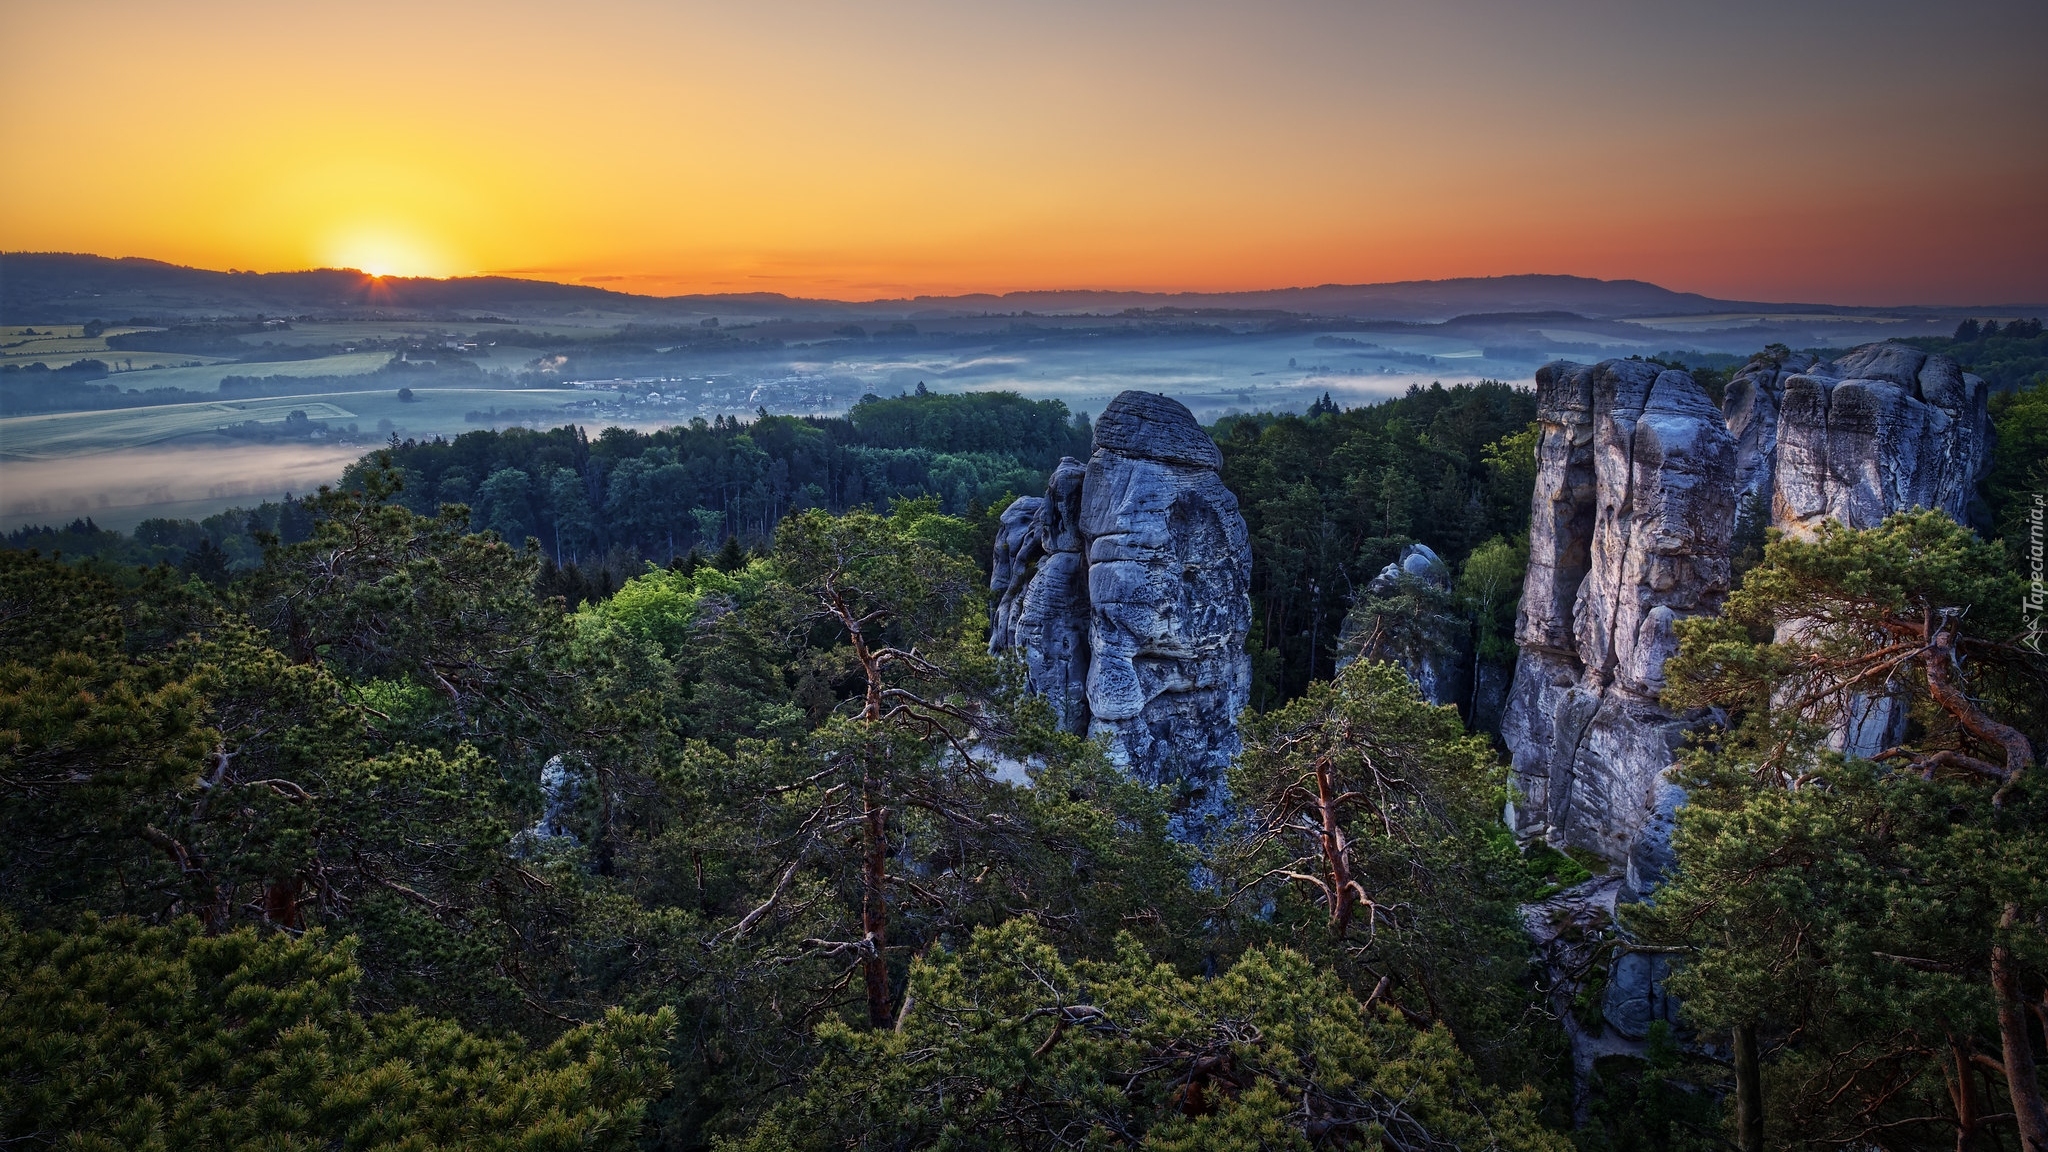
(1213, 375)
(118, 490)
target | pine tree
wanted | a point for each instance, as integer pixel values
(1876, 921)
(1008, 1045)
(118, 1035)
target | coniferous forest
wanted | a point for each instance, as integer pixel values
(536, 790)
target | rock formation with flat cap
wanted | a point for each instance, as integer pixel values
(1407, 617)
(1886, 428)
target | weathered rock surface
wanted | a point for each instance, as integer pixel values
(1421, 562)
(1751, 406)
(1574, 935)
(1126, 590)
(560, 787)
(1885, 428)
(1638, 482)
(1051, 606)
(1633, 511)
(1636, 997)
(1016, 552)
(1489, 695)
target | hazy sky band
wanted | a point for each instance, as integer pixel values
(1855, 152)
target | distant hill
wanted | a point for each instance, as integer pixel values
(56, 287)
(47, 287)
(1416, 300)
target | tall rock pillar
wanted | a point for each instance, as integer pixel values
(1133, 616)
(1632, 517)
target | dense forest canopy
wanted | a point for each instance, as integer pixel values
(2009, 356)
(693, 485)
(683, 818)
(1331, 496)
(355, 820)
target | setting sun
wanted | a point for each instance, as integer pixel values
(383, 251)
(799, 575)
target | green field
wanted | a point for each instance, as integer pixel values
(56, 345)
(43, 437)
(207, 378)
(433, 411)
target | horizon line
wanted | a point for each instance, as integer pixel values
(539, 276)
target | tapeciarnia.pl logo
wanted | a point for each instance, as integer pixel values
(2035, 607)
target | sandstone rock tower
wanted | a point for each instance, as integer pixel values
(1633, 512)
(1126, 590)
(1429, 646)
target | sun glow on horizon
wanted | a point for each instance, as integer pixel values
(381, 251)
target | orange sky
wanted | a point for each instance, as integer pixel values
(1860, 152)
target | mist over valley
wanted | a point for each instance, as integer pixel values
(116, 369)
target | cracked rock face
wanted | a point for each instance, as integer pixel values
(1016, 551)
(1885, 428)
(1126, 590)
(1751, 407)
(1636, 997)
(1052, 604)
(1638, 482)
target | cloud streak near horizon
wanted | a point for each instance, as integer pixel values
(1854, 152)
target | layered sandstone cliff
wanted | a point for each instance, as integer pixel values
(1638, 484)
(1885, 428)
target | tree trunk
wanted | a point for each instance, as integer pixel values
(1936, 660)
(281, 902)
(1963, 1094)
(2021, 1080)
(874, 908)
(1472, 692)
(1749, 1091)
(1336, 853)
(874, 912)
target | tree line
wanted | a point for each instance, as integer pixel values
(664, 493)
(2008, 356)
